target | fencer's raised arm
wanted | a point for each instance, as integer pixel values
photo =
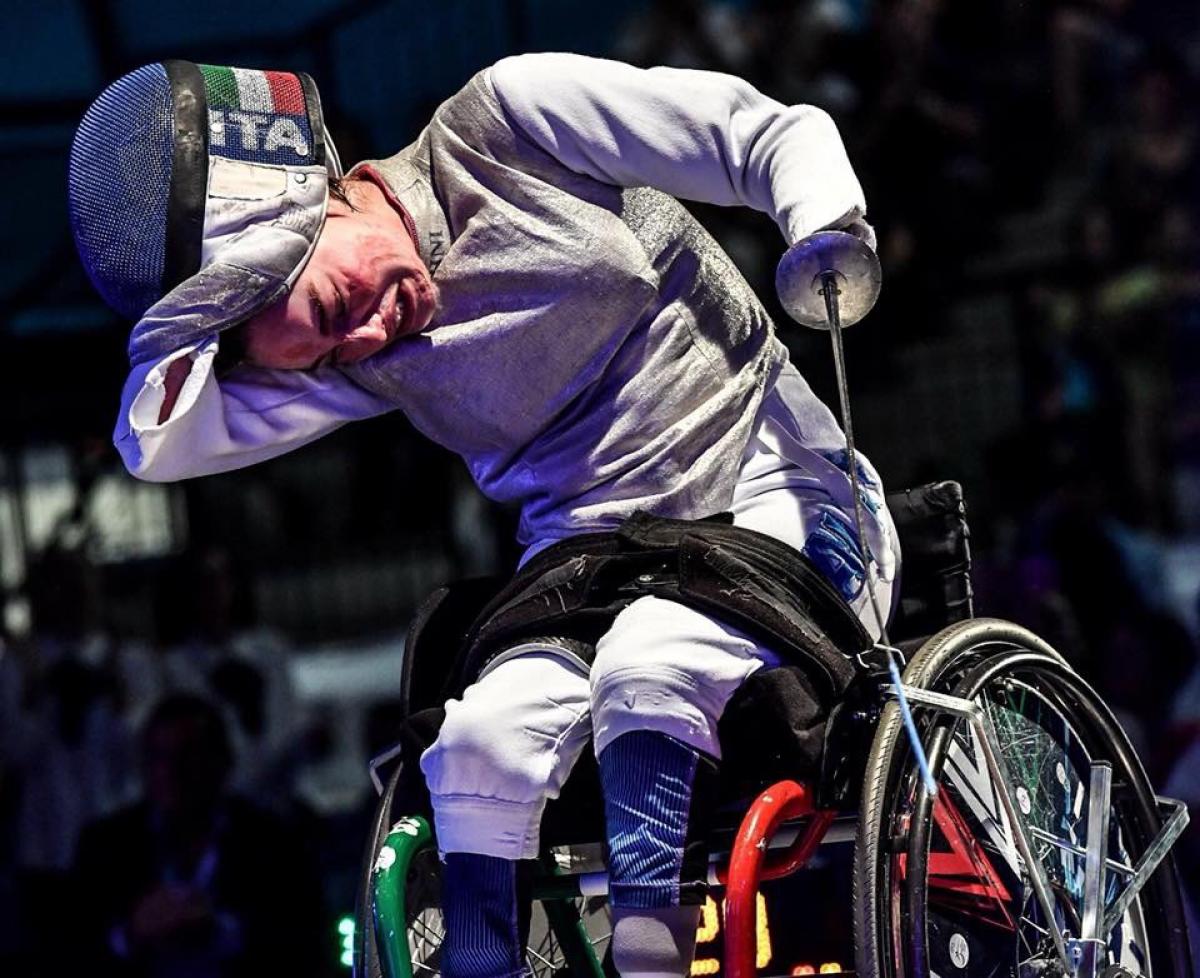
(699, 135)
(253, 414)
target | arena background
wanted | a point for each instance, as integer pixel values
(1032, 168)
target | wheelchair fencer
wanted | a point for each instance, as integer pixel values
(1001, 822)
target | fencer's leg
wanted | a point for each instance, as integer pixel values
(664, 666)
(662, 676)
(657, 796)
(486, 909)
(504, 749)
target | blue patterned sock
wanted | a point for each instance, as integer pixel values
(479, 899)
(648, 779)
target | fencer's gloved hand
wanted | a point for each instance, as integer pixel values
(861, 230)
(848, 250)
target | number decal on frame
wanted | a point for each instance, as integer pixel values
(710, 929)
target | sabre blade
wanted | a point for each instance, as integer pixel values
(831, 293)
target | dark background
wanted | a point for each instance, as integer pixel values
(1032, 169)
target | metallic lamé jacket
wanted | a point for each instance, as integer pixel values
(595, 352)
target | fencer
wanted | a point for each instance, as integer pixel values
(521, 282)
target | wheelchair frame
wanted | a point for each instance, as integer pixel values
(816, 277)
(779, 834)
(785, 824)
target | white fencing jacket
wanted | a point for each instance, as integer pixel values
(595, 352)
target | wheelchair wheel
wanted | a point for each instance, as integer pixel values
(400, 925)
(549, 952)
(940, 888)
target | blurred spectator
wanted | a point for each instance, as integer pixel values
(344, 833)
(1140, 313)
(70, 751)
(1185, 703)
(1143, 662)
(1092, 47)
(1029, 592)
(65, 748)
(792, 52)
(1181, 241)
(1153, 163)
(191, 880)
(214, 648)
(685, 34)
(918, 140)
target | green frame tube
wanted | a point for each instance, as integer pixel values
(390, 875)
(389, 879)
(564, 919)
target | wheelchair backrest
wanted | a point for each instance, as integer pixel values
(441, 623)
(935, 567)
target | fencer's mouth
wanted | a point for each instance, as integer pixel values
(390, 313)
(404, 309)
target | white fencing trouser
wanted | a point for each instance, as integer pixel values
(508, 745)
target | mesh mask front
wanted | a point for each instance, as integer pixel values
(119, 175)
(140, 187)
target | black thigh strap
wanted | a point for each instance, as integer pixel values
(578, 586)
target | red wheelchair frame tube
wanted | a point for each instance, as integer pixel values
(749, 865)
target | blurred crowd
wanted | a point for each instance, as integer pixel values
(148, 791)
(1046, 150)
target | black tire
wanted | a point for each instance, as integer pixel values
(903, 912)
(366, 963)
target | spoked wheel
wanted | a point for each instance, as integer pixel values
(401, 929)
(426, 927)
(940, 885)
(545, 953)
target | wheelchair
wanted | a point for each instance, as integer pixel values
(1026, 841)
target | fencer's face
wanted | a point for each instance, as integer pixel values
(364, 286)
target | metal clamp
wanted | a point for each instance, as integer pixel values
(1172, 829)
(379, 762)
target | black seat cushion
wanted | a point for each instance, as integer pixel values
(773, 728)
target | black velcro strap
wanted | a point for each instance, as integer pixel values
(316, 118)
(775, 603)
(189, 174)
